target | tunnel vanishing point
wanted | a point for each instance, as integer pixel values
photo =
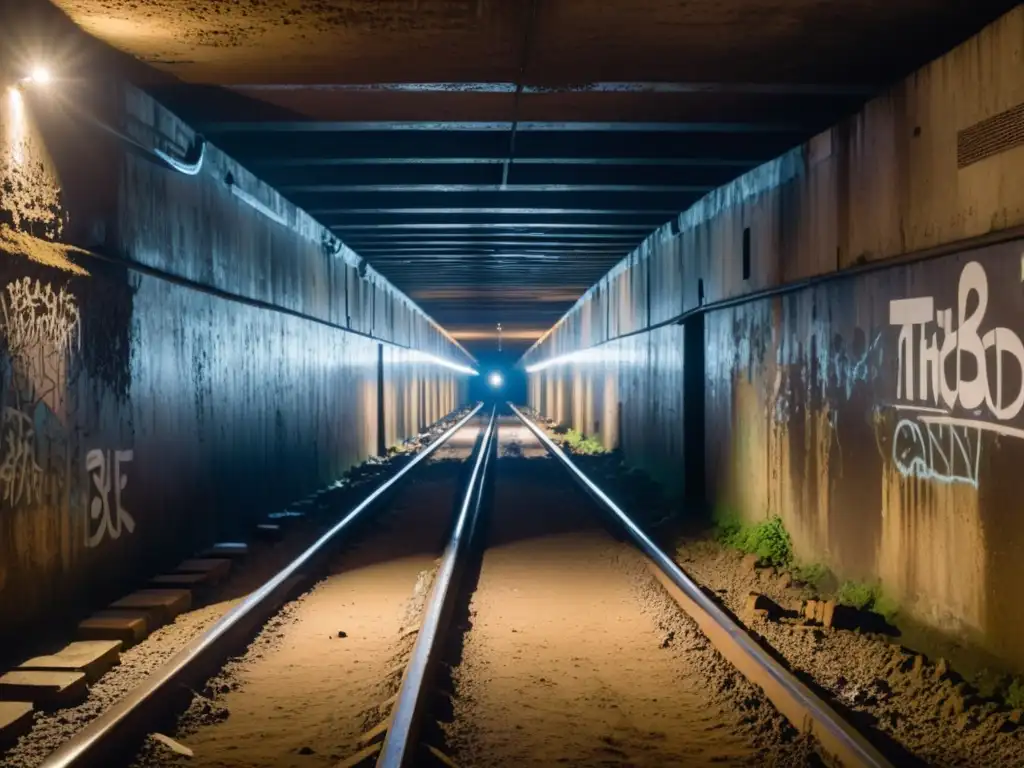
(772, 253)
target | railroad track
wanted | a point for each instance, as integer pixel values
(543, 592)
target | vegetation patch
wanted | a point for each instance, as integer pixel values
(1015, 694)
(769, 540)
(816, 575)
(865, 597)
(580, 443)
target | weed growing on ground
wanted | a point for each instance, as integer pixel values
(579, 443)
(814, 574)
(886, 606)
(1015, 694)
(769, 540)
(856, 594)
(864, 596)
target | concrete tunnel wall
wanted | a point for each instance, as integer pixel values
(175, 362)
(877, 411)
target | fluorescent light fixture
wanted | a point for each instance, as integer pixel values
(255, 204)
(571, 357)
(426, 357)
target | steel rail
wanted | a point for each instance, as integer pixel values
(801, 706)
(401, 741)
(124, 725)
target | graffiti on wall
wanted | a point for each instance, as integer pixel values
(40, 327)
(958, 378)
(107, 516)
(21, 477)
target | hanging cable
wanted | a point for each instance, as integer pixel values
(520, 83)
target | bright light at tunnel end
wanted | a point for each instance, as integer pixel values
(40, 75)
(495, 379)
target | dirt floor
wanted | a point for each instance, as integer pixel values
(51, 729)
(574, 656)
(314, 680)
(921, 704)
(919, 710)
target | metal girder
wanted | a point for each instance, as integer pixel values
(369, 245)
(334, 177)
(501, 247)
(495, 260)
(253, 147)
(531, 188)
(498, 219)
(400, 238)
(587, 199)
(773, 89)
(502, 126)
(539, 226)
(661, 162)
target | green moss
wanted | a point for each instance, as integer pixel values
(769, 540)
(1015, 694)
(864, 596)
(815, 574)
(856, 594)
(886, 606)
(579, 443)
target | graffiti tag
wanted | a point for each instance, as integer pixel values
(21, 478)
(109, 478)
(969, 383)
(934, 444)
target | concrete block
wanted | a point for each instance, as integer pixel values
(129, 627)
(15, 720)
(269, 532)
(828, 612)
(230, 549)
(189, 581)
(285, 519)
(761, 606)
(45, 689)
(163, 604)
(93, 657)
(216, 567)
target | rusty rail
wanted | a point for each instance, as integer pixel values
(119, 730)
(400, 744)
(801, 706)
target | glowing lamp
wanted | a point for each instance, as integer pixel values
(495, 379)
(40, 76)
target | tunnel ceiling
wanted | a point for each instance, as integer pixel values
(493, 159)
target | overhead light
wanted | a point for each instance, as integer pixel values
(496, 380)
(40, 76)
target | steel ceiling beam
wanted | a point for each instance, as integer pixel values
(370, 240)
(332, 177)
(507, 216)
(253, 147)
(532, 188)
(586, 199)
(771, 89)
(345, 126)
(533, 225)
(661, 162)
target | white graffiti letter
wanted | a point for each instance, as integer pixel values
(104, 478)
(1006, 342)
(907, 313)
(972, 391)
